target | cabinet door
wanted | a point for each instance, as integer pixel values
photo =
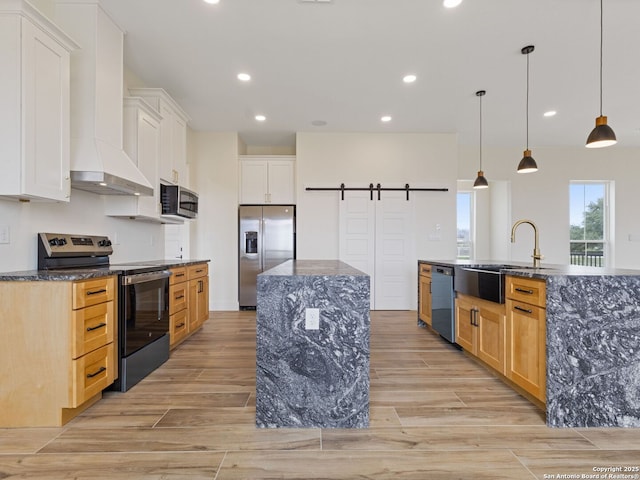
(465, 330)
(281, 181)
(198, 302)
(490, 337)
(46, 115)
(203, 300)
(179, 149)
(425, 299)
(166, 143)
(253, 182)
(147, 160)
(526, 345)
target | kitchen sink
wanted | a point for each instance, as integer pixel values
(482, 281)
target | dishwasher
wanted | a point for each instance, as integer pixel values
(442, 302)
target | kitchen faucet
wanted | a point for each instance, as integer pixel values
(537, 256)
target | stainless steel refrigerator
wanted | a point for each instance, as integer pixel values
(267, 238)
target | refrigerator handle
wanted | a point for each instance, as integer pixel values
(261, 258)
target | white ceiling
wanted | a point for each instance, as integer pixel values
(343, 63)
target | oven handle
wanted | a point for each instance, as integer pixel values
(144, 277)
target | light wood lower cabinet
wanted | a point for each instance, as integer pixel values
(57, 350)
(424, 294)
(480, 330)
(188, 301)
(198, 296)
(526, 334)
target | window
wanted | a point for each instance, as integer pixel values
(589, 218)
(464, 216)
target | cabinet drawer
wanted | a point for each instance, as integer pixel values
(91, 374)
(425, 269)
(178, 275)
(197, 271)
(526, 290)
(178, 297)
(92, 327)
(92, 292)
(178, 326)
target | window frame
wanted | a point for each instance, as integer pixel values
(472, 216)
(606, 224)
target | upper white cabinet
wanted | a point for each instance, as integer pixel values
(34, 105)
(172, 166)
(267, 179)
(141, 142)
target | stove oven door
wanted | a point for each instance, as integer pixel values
(144, 310)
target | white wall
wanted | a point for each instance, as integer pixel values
(213, 164)
(358, 159)
(84, 214)
(544, 196)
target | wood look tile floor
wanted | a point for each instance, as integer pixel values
(435, 414)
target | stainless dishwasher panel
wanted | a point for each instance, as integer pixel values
(442, 302)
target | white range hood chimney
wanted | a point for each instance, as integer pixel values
(98, 161)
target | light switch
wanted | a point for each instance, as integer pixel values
(4, 234)
(312, 318)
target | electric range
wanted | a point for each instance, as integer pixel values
(143, 300)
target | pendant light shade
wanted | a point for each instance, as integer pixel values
(527, 164)
(481, 181)
(602, 135)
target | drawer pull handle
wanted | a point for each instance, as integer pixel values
(100, 370)
(179, 275)
(524, 290)
(526, 310)
(96, 292)
(179, 297)
(180, 325)
(100, 325)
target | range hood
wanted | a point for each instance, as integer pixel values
(98, 161)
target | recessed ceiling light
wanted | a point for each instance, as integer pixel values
(409, 78)
(244, 77)
(212, 2)
(260, 118)
(550, 113)
(451, 3)
(385, 118)
(318, 123)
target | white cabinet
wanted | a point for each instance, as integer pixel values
(34, 105)
(141, 137)
(172, 166)
(267, 180)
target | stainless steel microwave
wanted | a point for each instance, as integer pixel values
(177, 200)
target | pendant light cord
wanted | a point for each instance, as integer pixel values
(481, 133)
(601, 43)
(527, 101)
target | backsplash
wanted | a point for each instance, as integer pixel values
(84, 214)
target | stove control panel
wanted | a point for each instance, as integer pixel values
(68, 245)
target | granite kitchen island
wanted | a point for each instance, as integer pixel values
(312, 340)
(592, 343)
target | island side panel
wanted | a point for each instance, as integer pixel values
(313, 378)
(593, 351)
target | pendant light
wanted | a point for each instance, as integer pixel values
(602, 135)
(481, 181)
(527, 164)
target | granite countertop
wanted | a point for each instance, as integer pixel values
(544, 271)
(86, 273)
(313, 268)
